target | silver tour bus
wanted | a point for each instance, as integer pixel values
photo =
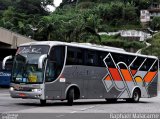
(52, 70)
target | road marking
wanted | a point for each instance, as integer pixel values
(87, 108)
(74, 111)
(4, 94)
(60, 116)
(83, 109)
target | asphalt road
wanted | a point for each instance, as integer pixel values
(90, 108)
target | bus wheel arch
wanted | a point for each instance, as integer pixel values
(73, 93)
(136, 95)
(76, 91)
(138, 89)
(42, 102)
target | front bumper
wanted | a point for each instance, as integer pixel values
(26, 95)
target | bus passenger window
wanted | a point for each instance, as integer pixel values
(155, 66)
(91, 58)
(101, 56)
(50, 72)
(147, 64)
(74, 56)
(71, 58)
(137, 63)
(55, 63)
(109, 62)
(79, 58)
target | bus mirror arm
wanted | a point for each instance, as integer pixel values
(41, 60)
(5, 60)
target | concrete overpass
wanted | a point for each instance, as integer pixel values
(11, 40)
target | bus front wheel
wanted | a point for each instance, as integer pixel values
(112, 100)
(42, 102)
(70, 97)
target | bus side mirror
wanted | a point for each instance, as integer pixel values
(5, 60)
(41, 60)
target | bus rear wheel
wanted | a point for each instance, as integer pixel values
(135, 97)
(42, 102)
(70, 97)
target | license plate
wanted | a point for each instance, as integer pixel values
(22, 95)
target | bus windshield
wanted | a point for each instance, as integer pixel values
(25, 66)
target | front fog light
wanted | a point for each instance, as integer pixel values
(11, 89)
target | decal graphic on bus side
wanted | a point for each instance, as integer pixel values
(124, 79)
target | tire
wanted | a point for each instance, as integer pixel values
(135, 97)
(112, 100)
(43, 102)
(70, 97)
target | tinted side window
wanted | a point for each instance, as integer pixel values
(101, 55)
(127, 59)
(155, 66)
(0, 65)
(55, 63)
(71, 58)
(80, 57)
(91, 58)
(57, 55)
(75, 56)
(137, 63)
(109, 62)
(147, 64)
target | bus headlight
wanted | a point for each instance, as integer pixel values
(36, 90)
(11, 89)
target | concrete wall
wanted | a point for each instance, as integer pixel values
(12, 39)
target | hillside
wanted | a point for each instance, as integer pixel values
(76, 20)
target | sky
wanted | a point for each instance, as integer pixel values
(56, 2)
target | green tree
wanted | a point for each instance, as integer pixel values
(4, 4)
(74, 20)
(155, 46)
(32, 6)
(155, 23)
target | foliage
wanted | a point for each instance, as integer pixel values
(4, 4)
(155, 47)
(117, 41)
(155, 23)
(74, 20)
